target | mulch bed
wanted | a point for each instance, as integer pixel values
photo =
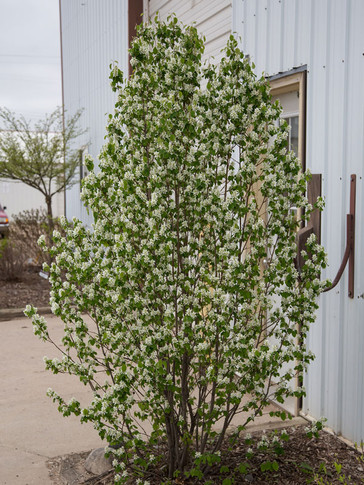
(30, 288)
(305, 460)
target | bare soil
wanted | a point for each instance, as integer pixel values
(304, 461)
(28, 289)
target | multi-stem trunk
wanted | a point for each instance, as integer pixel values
(173, 444)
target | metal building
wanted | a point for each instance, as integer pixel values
(93, 36)
(313, 52)
(325, 40)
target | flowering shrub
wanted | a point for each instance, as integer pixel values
(170, 301)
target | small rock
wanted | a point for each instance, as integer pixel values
(97, 463)
(249, 478)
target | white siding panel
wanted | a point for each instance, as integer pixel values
(213, 19)
(248, 31)
(353, 368)
(337, 191)
(156, 5)
(288, 33)
(327, 36)
(303, 33)
(93, 36)
(213, 28)
(261, 23)
(18, 197)
(275, 39)
(193, 10)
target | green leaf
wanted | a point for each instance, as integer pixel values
(266, 466)
(227, 481)
(306, 467)
(243, 468)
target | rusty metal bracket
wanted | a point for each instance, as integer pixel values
(349, 254)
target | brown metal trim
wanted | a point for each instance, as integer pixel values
(349, 254)
(303, 91)
(352, 235)
(135, 10)
(301, 240)
(346, 254)
(294, 70)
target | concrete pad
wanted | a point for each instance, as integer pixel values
(31, 428)
(22, 468)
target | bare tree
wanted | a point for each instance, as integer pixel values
(41, 156)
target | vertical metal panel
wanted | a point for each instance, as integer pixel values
(352, 127)
(288, 34)
(326, 35)
(261, 22)
(94, 34)
(275, 44)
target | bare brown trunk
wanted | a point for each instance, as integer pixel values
(173, 448)
(48, 200)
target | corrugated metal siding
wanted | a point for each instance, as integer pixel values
(212, 18)
(327, 35)
(19, 197)
(94, 34)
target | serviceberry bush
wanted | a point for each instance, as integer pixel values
(182, 303)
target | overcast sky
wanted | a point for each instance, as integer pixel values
(30, 65)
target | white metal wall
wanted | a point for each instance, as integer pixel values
(94, 34)
(212, 19)
(328, 37)
(19, 197)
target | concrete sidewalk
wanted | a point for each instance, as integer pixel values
(31, 428)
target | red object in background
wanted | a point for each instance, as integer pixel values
(4, 222)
